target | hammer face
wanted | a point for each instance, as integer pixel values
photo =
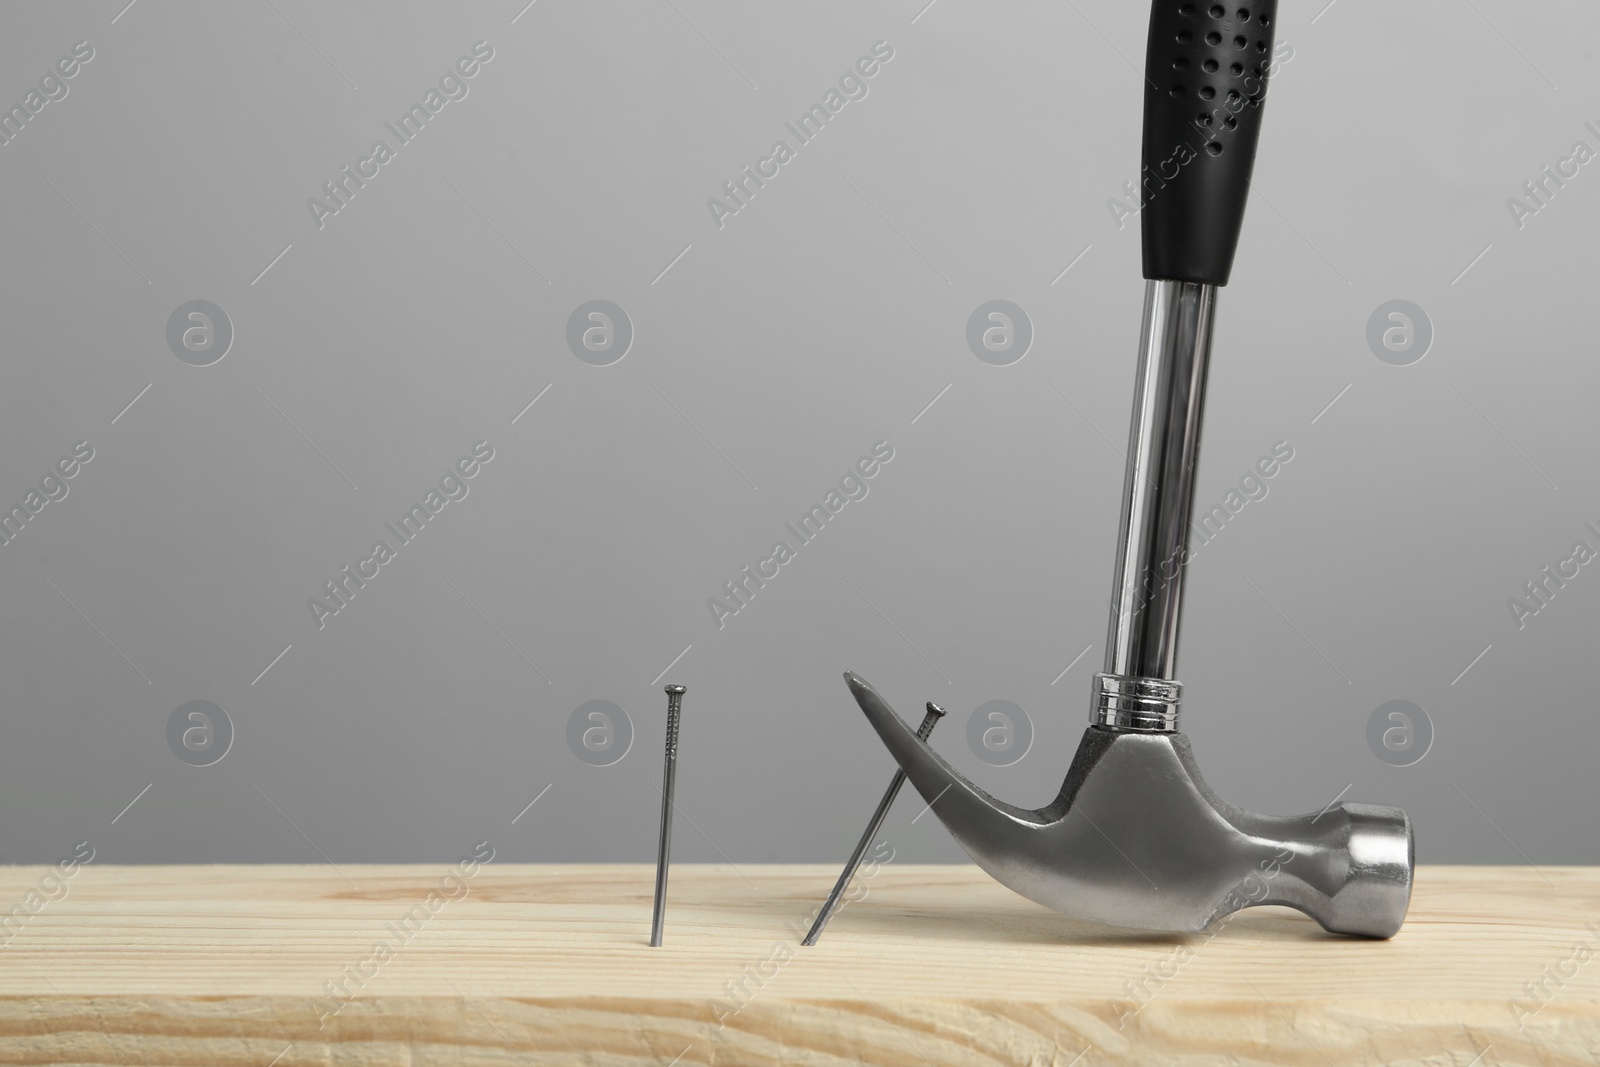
(1136, 839)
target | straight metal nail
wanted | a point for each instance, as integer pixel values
(669, 779)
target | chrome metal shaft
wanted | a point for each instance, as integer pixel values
(1138, 689)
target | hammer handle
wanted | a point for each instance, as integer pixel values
(1206, 71)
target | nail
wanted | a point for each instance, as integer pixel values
(668, 785)
(933, 715)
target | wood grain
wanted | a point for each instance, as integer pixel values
(541, 965)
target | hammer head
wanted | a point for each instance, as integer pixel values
(1136, 839)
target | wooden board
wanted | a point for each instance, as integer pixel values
(937, 965)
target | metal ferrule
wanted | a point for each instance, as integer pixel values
(1136, 703)
(1137, 690)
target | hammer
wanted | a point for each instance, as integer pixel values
(1136, 838)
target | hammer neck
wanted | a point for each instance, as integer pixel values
(1138, 689)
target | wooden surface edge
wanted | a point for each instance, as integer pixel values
(543, 965)
(468, 1031)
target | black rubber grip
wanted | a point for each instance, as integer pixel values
(1206, 70)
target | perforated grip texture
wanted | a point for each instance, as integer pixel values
(1206, 71)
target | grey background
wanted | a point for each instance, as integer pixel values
(823, 318)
